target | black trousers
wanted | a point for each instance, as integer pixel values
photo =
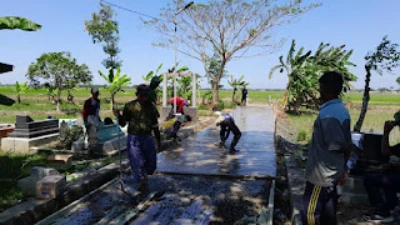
(390, 184)
(237, 134)
(319, 205)
(244, 100)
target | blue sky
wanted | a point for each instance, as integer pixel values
(360, 24)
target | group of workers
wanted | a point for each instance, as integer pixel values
(326, 165)
(142, 116)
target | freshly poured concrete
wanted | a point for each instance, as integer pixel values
(198, 155)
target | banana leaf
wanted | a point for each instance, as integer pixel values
(15, 22)
(4, 68)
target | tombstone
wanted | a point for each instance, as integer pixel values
(28, 184)
(29, 133)
(26, 127)
(110, 138)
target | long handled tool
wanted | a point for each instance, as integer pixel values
(121, 172)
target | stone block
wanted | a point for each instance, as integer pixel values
(51, 186)
(28, 186)
(60, 158)
(164, 113)
(111, 147)
(39, 173)
(24, 145)
(354, 191)
(192, 112)
(21, 119)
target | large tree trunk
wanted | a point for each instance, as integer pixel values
(58, 101)
(364, 108)
(216, 81)
(215, 93)
(19, 99)
(112, 101)
(70, 98)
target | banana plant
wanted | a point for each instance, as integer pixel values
(151, 74)
(116, 83)
(234, 83)
(20, 89)
(294, 64)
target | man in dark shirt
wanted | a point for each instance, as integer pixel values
(331, 142)
(389, 182)
(141, 115)
(228, 124)
(244, 96)
(91, 117)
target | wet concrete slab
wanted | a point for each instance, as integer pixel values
(198, 155)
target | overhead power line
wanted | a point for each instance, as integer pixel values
(130, 10)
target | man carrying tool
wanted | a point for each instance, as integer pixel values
(142, 118)
(228, 124)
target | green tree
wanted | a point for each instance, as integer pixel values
(58, 69)
(231, 28)
(20, 23)
(235, 83)
(398, 80)
(385, 58)
(104, 30)
(20, 89)
(115, 84)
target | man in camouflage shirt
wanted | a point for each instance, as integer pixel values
(141, 116)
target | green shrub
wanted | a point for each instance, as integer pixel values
(302, 135)
(221, 105)
(202, 107)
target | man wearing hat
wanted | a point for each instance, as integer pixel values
(91, 116)
(228, 124)
(141, 116)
